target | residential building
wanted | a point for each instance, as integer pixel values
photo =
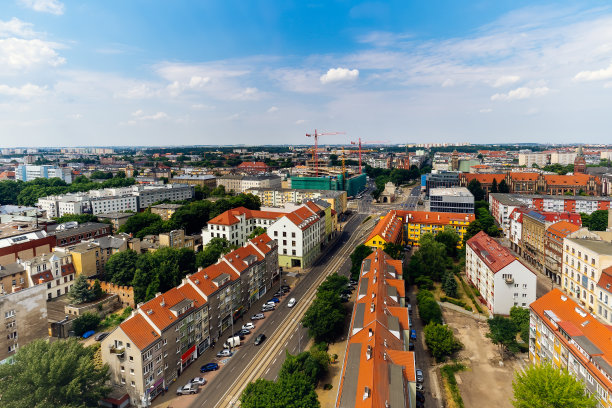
(300, 235)
(278, 197)
(176, 239)
(604, 296)
(149, 195)
(419, 223)
(70, 234)
(240, 184)
(231, 182)
(537, 183)
(202, 180)
(19, 242)
(562, 158)
(553, 248)
(25, 320)
(117, 219)
(451, 199)
(528, 159)
(86, 258)
(563, 334)
(235, 225)
(13, 278)
(165, 211)
(503, 280)
(388, 230)
(251, 167)
(378, 370)
(585, 256)
(54, 271)
(29, 172)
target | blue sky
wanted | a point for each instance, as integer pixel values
(179, 72)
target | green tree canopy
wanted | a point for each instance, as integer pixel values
(395, 251)
(449, 285)
(120, 267)
(502, 331)
(213, 251)
(520, 317)
(450, 238)
(313, 364)
(333, 283)
(85, 322)
(325, 317)
(546, 386)
(597, 221)
(440, 341)
(53, 374)
(476, 189)
(360, 253)
(80, 292)
(257, 232)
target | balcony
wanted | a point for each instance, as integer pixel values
(509, 279)
(119, 351)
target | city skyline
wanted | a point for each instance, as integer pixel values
(155, 73)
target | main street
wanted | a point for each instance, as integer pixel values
(251, 362)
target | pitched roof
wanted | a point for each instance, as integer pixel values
(259, 164)
(230, 217)
(561, 229)
(433, 217)
(304, 217)
(494, 255)
(388, 228)
(605, 280)
(570, 180)
(484, 178)
(139, 331)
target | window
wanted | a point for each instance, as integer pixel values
(132, 371)
(133, 384)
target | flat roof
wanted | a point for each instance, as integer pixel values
(601, 247)
(450, 191)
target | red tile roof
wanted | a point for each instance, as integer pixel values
(484, 178)
(605, 280)
(230, 217)
(494, 255)
(304, 217)
(433, 217)
(389, 228)
(139, 331)
(565, 180)
(561, 229)
(254, 165)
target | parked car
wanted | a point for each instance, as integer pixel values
(413, 335)
(258, 316)
(409, 321)
(243, 332)
(420, 387)
(267, 308)
(224, 353)
(101, 336)
(274, 300)
(188, 388)
(419, 375)
(233, 341)
(248, 326)
(409, 308)
(347, 292)
(286, 287)
(209, 367)
(259, 339)
(344, 298)
(279, 294)
(291, 302)
(410, 346)
(88, 334)
(353, 282)
(198, 381)
(420, 396)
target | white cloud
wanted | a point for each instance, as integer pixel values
(26, 91)
(19, 54)
(197, 81)
(75, 116)
(15, 27)
(486, 110)
(598, 75)
(272, 109)
(506, 80)
(300, 121)
(521, 93)
(201, 106)
(608, 85)
(45, 6)
(140, 91)
(248, 94)
(339, 74)
(448, 82)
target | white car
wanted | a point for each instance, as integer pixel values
(291, 302)
(270, 303)
(188, 388)
(248, 326)
(198, 381)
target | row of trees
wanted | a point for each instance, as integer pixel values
(325, 316)
(396, 176)
(28, 192)
(596, 221)
(191, 217)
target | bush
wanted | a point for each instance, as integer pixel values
(449, 285)
(457, 302)
(440, 341)
(424, 282)
(429, 310)
(469, 293)
(448, 375)
(84, 323)
(328, 387)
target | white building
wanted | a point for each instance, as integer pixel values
(604, 296)
(237, 224)
(528, 159)
(503, 281)
(562, 158)
(55, 270)
(28, 172)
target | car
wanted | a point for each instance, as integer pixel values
(270, 303)
(347, 292)
(243, 332)
(353, 282)
(225, 353)
(413, 335)
(420, 396)
(209, 367)
(291, 302)
(101, 336)
(419, 375)
(344, 298)
(409, 321)
(267, 308)
(239, 335)
(258, 316)
(198, 381)
(410, 346)
(274, 300)
(259, 339)
(420, 387)
(88, 334)
(248, 326)
(279, 294)
(188, 388)
(286, 288)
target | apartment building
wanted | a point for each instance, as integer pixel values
(117, 219)
(13, 278)
(419, 223)
(72, 233)
(240, 184)
(235, 225)
(553, 248)
(604, 296)
(528, 159)
(585, 256)
(378, 370)
(19, 242)
(55, 271)
(538, 183)
(25, 320)
(503, 281)
(300, 235)
(149, 195)
(563, 334)
(278, 197)
(165, 211)
(202, 180)
(388, 230)
(29, 172)
(451, 199)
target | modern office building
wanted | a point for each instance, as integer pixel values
(451, 199)
(29, 172)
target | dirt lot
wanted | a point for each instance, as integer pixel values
(485, 379)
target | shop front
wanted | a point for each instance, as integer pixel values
(189, 357)
(156, 388)
(203, 345)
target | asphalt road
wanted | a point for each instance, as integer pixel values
(214, 392)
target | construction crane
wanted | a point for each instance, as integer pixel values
(316, 146)
(360, 151)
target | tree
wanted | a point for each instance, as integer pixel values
(290, 391)
(503, 187)
(333, 283)
(424, 282)
(213, 250)
(545, 386)
(440, 341)
(429, 310)
(257, 232)
(53, 374)
(520, 317)
(476, 189)
(430, 260)
(85, 322)
(450, 238)
(324, 317)
(449, 285)
(120, 267)
(494, 188)
(502, 331)
(313, 364)
(395, 251)
(598, 220)
(360, 253)
(80, 292)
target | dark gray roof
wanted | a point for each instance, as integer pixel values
(82, 228)
(183, 304)
(351, 377)
(587, 345)
(363, 286)
(392, 291)
(365, 266)
(391, 269)
(397, 391)
(10, 269)
(393, 323)
(601, 362)
(359, 316)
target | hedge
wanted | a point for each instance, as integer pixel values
(448, 373)
(456, 302)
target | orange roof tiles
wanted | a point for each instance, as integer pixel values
(388, 228)
(139, 331)
(484, 178)
(561, 229)
(494, 255)
(432, 217)
(304, 217)
(605, 280)
(230, 217)
(565, 180)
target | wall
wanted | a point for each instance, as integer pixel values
(125, 293)
(102, 307)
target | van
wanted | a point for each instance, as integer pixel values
(232, 342)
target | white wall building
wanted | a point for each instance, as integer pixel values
(237, 224)
(54, 270)
(530, 158)
(503, 281)
(28, 172)
(562, 158)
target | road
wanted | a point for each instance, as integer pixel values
(282, 327)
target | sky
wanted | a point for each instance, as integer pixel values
(178, 72)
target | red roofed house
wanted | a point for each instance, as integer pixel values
(54, 270)
(164, 335)
(503, 280)
(553, 248)
(253, 167)
(378, 371)
(235, 225)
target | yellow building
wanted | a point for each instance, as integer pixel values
(565, 335)
(278, 197)
(419, 223)
(390, 229)
(165, 211)
(86, 258)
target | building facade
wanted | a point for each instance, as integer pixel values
(419, 223)
(236, 224)
(29, 172)
(451, 199)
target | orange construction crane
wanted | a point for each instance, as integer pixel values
(316, 146)
(360, 150)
